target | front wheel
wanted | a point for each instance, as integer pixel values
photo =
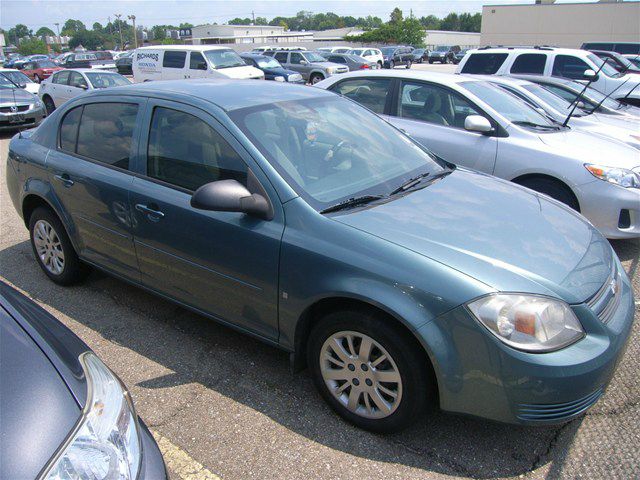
(392, 64)
(370, 373)
(49, 105)
(553, 188)
(315, 78)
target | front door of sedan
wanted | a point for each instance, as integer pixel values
(77, 85)
(434, 116)
(222, 263)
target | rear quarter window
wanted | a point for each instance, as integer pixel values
(484, 63)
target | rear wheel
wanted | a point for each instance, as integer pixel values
(392, 64)
(409, 64)
(49, 105)
(36, 78)
(553, 188)
(315, 78)
(370, 373)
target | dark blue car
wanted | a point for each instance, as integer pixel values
(272, 68)
(63, 413)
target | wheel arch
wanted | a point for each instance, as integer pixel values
(522, 179)
(33, 200)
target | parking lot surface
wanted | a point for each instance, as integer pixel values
(222, 404)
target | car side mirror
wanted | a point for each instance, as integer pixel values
(201, 66)
(303, 62)
(590, 75)
(84, 87)
(230, 196)
(477, 123)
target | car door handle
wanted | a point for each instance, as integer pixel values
(64, 179)
(149, 211)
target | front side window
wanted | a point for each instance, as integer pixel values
(297, 58)
(186, 152)
(77, 80)
(434, 104)
(484, 63)
(370, 92)
(174, 59)
(197, 61)
(69, 130)
(530, 63)
(568, 66)
(106, 131)
(330, 149)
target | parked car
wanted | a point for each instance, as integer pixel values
(443, 54)
(624, 48)
(368, 53)
(67, 84)
(302, 218)
(272, 68)
(420, 55)
(89, 428)
(457, 58)
(552, 62)
(353, 62)
(334, 49)
(478, 125)
(312, 66)
(394, 56)
(172, 62)
(634, 59)
(617, 61)
(20, 79)
(77, 60)
(124, 63)
(593, 99)
(38, 70)
(18, 108)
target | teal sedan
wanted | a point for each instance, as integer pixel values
(303, 219)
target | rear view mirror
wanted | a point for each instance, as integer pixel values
(230, 196)
(590, 75)
(477, 123)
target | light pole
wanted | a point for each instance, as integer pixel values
(135, 32)
(58, 29)
(118, 15)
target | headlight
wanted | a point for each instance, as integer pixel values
(331, 70)
(105, 443)
(619, 176)
(279, 79)
(294, 77)
(527, 322)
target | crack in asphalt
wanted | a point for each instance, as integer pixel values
(455, 467)
(541, 458)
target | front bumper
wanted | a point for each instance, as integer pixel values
(478, 375)
(612, 209)
(152, 467)
(29, 118)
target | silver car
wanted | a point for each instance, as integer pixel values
(312, 66)
(18, 108)
(474, 123)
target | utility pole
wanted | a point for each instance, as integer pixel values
(135, 32)
(254, 17)
(58, 29)
(109, 23)
(118, 15)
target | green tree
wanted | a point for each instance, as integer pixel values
(430, 22)
(407, 32)
(396, 16)
(32, 46)
(97, 27)
(186, 25)
(239, 21)
(45, 32)
(71, 27)
(88, 39)
(261, 21)
(19, 31)
(159, 32)
(450, 23)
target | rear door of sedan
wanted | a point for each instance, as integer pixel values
(224, 264)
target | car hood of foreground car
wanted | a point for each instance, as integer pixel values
(506, 236)
(18, 95)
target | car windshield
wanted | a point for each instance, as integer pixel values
(106, 80)
(314, 57)
(17, 77)
(46, 64)
(356, 52)
(442, 49)
(559, 104)
(419, 51)
(603, 66)
(508, 105)
(268, 62)
(594, 97)
(388, 50)
(224, 58)
(5, 82)
(330, 149)
(86, 56)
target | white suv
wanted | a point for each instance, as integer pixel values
(556, 62)
(371, 54)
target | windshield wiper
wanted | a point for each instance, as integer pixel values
(412, 182)
(352, 202)
(525, 123)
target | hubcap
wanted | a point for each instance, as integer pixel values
(361, 374)
(48, 247)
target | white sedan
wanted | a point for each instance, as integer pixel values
(67, 84)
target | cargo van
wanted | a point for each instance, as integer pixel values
(174, 62)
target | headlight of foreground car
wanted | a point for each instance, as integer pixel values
(619, 176)
(105, 443)
(527, 322)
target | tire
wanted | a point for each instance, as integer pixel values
(430, 62)
(415, 391)
(380, 65)
(36, 78)
(56, 257)
(315, 78)
(392, 64)
(553, 188)
(408, 65)
(49, 105)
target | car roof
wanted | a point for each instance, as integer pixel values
(226, 94)
(197, 48)
(444, 78)
(501, 79)
(506, 49)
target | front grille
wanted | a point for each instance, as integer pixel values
(541, 412)
(342, 70)
(606, 300)
(21, 108)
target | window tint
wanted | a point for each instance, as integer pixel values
(372, 93)
(598, 46)
(569, 66)
(336, 59)
(173, 59)
(296, 58)
(529, 63)
(105, 132)
(434, 104)
(484, 63)
(627, 48)
(281, 57)
(69, 130)
(186, 152)
(197, 61)
(77, 80)
(62, 78)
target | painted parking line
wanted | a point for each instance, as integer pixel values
(180, 463)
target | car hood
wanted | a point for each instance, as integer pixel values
(589, 148)
(21, 96)
(506, 236)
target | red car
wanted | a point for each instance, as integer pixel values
(38, 70)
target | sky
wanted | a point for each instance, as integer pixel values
(38, 13)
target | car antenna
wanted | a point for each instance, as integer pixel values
(611, 93)
(629, 92)
(576, 100)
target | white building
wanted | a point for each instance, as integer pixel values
(433, 38)
(560, 24)
(260, 34)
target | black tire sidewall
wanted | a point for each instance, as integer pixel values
(48, 101)
(418, 385)
(553, 189)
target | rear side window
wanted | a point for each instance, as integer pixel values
(532, 63)
(186, 152)
(62, 78)
(484, 63)
(106, 131)
(370, 92)
(336, 59)
(281, 57)
(173, 59)
(69, 130)
(569, 66)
